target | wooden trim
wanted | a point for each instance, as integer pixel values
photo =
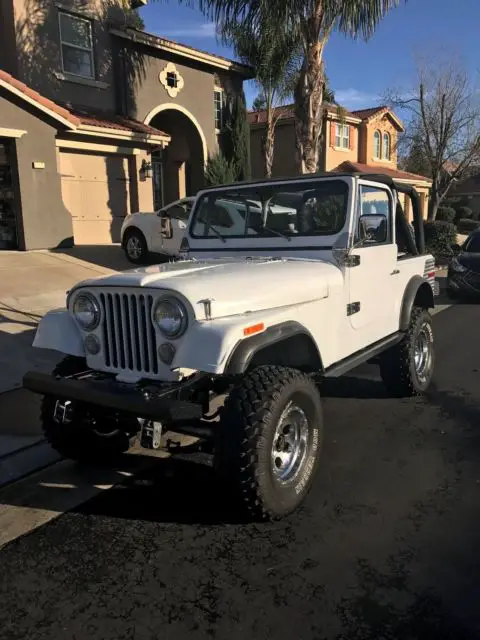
(11, 133)
(121, 134)
(184, 51)
(38, 105)
(93, 146)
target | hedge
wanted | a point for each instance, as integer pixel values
(462, 213)
(446, 214)
(466, 225)
(440, 235)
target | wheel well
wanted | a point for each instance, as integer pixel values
(296, 351)
(424, 297)
(129, 231)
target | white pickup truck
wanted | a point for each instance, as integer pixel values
(322, 274)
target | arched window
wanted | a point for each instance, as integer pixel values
(377, 144)
(386, 146)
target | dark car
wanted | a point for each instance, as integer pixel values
(464, 271)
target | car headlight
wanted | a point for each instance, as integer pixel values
(86, 311)
(456, 266)
(170, 316)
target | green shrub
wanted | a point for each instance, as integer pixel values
(462, 213)
(466, 225)
(219, 171)
(446, 214)
(440, 235)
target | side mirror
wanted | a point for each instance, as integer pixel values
(166, 227)
(373, 228)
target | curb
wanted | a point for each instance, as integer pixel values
(31, 458)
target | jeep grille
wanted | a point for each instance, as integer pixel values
(128, 333)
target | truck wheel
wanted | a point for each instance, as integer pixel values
(407, 368)
(270, 436)
(84, 436)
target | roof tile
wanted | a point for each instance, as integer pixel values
(348, 166)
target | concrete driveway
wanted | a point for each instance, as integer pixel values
(30, 285)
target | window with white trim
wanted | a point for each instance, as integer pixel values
(76, 43)
(386, 146)
(377, 145)
(218, 108)
(342, 136)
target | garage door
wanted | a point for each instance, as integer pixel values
(96, 191)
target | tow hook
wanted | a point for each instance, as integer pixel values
(63, 412)
(151, 434)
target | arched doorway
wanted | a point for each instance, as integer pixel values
(178, 170)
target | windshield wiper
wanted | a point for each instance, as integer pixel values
(217, 233)
(277, 233)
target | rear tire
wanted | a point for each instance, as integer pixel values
(82, 439)
(270, 438)
(407, 368)
(135, 246)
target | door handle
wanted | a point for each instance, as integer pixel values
(395, 272)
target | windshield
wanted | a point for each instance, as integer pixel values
(273, 210)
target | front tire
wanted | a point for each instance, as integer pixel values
(135, 246)
(84, 438)
(407, 368)
(270, 439)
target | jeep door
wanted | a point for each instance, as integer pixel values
(372, 265)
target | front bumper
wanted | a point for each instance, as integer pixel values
(170, 403)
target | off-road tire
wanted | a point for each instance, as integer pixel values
(77, 440)
(248, 428)
(397, 365)
(136, 233)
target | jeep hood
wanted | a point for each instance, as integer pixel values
(235, 285)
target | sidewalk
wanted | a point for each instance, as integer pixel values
(30, 285)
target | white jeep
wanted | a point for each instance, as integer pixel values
(323, 274)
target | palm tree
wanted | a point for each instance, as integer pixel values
(312, 22)
(274, 53)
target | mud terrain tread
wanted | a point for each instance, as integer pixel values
(246, 417)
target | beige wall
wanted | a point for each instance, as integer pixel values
(196, 96)
(8, 56)
(39, 51)
(46, 221)
(335, 156)
(284, 157)
(383, 124)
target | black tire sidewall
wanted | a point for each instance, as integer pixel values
(285, 497)
(141, 238)
(423, 319)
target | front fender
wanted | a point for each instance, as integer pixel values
(208, 345)
(57, 330)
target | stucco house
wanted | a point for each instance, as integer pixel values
(363, 141)
(99, 119)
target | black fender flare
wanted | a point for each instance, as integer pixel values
(245, 350)
(418, 291)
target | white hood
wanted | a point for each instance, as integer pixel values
(235, 285)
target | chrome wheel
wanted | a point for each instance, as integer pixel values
(134, 248)
(289, 447)
(423, 353)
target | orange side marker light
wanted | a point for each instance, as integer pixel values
(254, 328)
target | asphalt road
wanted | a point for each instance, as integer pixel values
(386, 547)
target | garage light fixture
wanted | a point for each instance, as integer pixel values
(145, 170)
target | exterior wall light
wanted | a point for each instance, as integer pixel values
(146, 170)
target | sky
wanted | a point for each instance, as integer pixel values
(360, 73)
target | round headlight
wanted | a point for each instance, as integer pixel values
(86, 311)
(170, 316)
